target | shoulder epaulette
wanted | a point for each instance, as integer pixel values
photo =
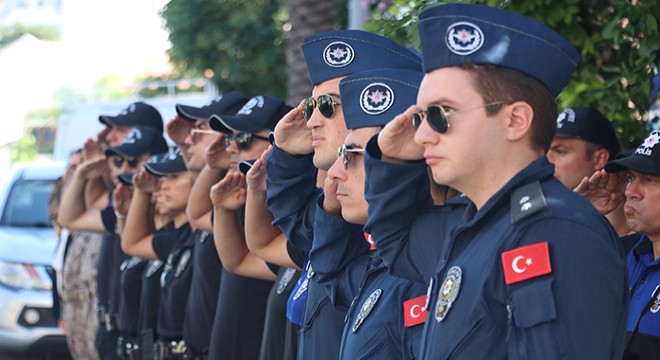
(527, 200)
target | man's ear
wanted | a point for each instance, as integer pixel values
(520, 116)
(599, 158)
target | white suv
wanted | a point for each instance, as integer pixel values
(27, 244)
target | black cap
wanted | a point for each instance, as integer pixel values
(258, 114)
(136, 114)
(228, 104)
(139, 141)
(590, 125)
(245, 165)
(170, 163)
(645, 159)
(126, 178)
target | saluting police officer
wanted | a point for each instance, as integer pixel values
(384, 312)
(516, 274)
(292, 164)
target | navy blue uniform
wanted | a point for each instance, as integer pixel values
(175, 281)
(200, 311)
(108, 285)
(291, 198)
(357, 279)
(644, 272)
(276, 329)
(576, 310)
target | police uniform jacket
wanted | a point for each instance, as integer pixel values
(566, 296)
(291, 198)
(356, 278)
(644, 272)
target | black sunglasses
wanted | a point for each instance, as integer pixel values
(436, 116)
(243, 140)
(118, 161)
(344, 151)
(326, 104)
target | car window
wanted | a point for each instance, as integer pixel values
(27, 204)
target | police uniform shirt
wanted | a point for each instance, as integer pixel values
(111, 257)
(275, 326)
(132, 270)
(200, 311)
(376, 325)
(644, 272)
(548, 309)
(239, 317)
(175, 281)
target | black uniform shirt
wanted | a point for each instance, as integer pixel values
(110, 259)
(129, 302)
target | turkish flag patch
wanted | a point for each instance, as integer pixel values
(370, 240)
(414, 312)
(526, 262)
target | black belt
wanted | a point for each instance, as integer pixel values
(177, 350)
(128, 348)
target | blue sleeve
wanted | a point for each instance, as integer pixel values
(291, 194)
(397, 195)
(585, 295)
(339, 257)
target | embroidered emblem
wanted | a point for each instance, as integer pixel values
(338, 54)
(464, 38)
(448, 292)
(285, 280)
(257, 101)
(366, 309)
(656, 302)
(647, 146)
(183, 262)
(133, 136)
(526, 262)
(568, 115)
(376, 98)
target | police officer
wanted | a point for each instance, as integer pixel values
(635, 178)
(516, 273)
(176, 251)
(384, 312)
(292, 164)
(585, 140)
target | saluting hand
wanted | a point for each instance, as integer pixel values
(256, 177)
(396, 139)
(216, 155)
(178, 129)
(145, 181)
(92, 150)
(604, 190)
(121, 197)
(292, 135)
(92, 169)
(229, 193)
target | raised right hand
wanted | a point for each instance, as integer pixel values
(396, 139)
(292, 135)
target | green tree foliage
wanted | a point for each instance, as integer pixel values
(237, 43)
(24, 150)
(618, 41)
(14, 32)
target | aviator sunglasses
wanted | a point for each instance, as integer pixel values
(118, 161)
(325, 103)
(436, 116)
(243, 140)
(344, 154)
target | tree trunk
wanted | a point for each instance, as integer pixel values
(306, 17)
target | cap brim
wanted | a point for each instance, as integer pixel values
(123, 151)
(245, 166)
(167, 168)
(228, 124)
(113, 121)
(126, 178)
(192, 113)
(634, 162)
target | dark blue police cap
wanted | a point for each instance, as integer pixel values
(258, 114)
(170, 163)
(339, 53)
(457, 34)
(375, 97)
(228, 104)
(126, 178)
(139, 141)
(136, 114)
(645, 159)
(590, 125)
(245, 165)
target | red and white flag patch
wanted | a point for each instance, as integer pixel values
(414, 312)
(526, 262)
(370, 240)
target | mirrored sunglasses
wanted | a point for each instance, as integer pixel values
(344, 154)
(242, 140)
(325, 103)
(437, 116)
(118, 161)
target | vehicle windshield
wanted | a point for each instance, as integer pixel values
(27, 204)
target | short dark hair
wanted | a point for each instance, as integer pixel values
(500, 84)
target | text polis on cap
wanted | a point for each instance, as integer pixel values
(376, 98)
